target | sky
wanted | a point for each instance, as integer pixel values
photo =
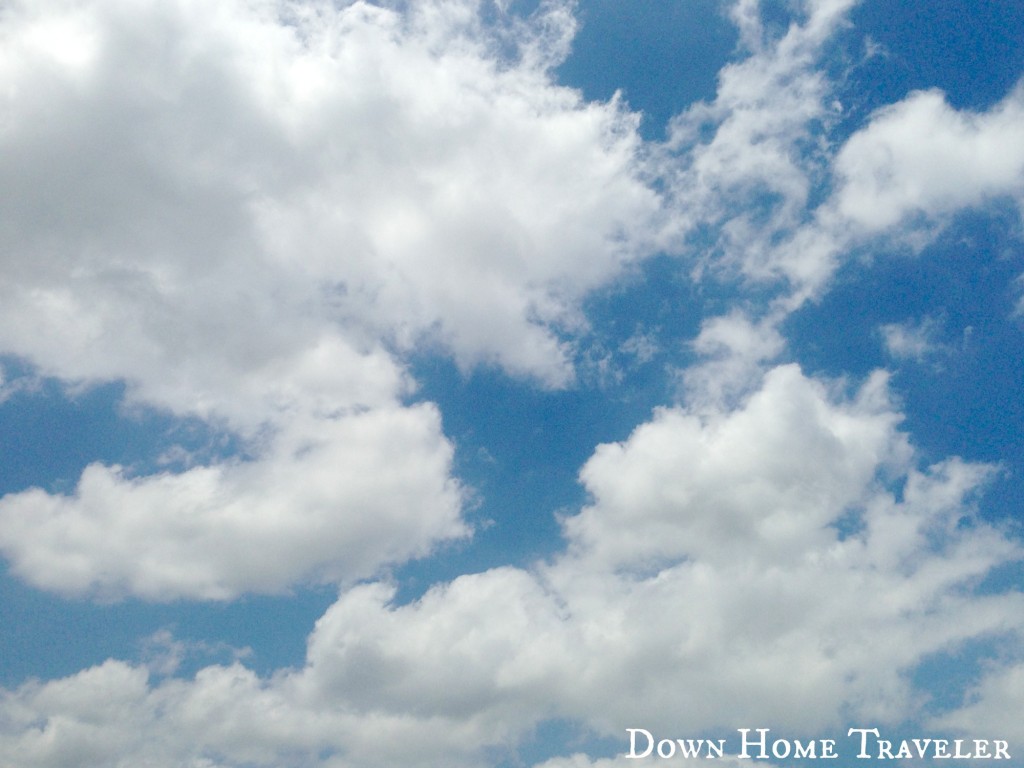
(464, 383)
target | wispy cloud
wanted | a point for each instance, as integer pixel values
(911, 341)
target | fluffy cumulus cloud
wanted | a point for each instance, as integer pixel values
(244, 213)
(902, 176)
(783, 563)
(330, 504)
(201, 192)
(921, 157)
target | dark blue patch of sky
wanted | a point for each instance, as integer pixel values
(663, 55)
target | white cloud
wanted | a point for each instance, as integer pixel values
(642, 346)
(714, 480)
(781, 563)
(583, 761)
(240, 217)
(19, 383)
(163, 653)
(276, 193)
(266, 169)
(742, 172)
(1018, 287)
(333, 501)
(910, 341)
(765, 528)
(248, 213)
(991, 708)
(901, 177)
(110, 716)
(745, 163)
(922, 157)
(735, 350)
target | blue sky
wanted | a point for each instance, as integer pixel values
(463, 383)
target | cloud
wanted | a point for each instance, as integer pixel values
(744, 173)
(17, 384)
(901, 177)
(796, 524)
(921, 157)
(734, 350)
(910, 341)
(1018, 287)
(707, 537)
(253, 213)
(250, 215)
(743, 166)
(269, 169)
(583, 761)
(282, 200)
(786, 439)
(163, 654)
(990, 706)
(331, 502)
(642, 346)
